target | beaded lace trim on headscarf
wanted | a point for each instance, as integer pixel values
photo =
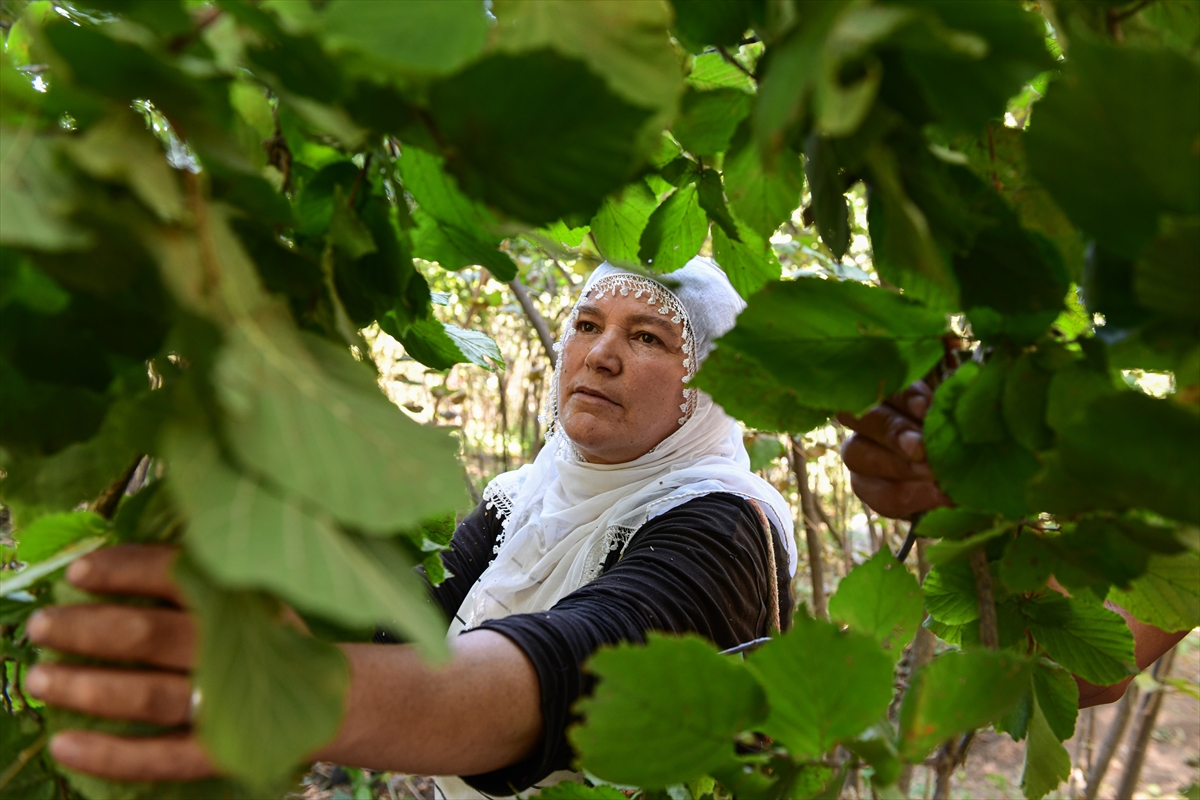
(657, 296)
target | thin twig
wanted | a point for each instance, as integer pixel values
(358, 181)
(1120, 16)
(1116, 729)
(23, 758)
(181, 42)
(20, 695)
(1144, 728)
(106, 503)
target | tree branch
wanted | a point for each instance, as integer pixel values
(811, 536)
(106, 503)
(989, 635)
(539, 323)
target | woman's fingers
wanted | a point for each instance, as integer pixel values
(913, 400)
(897, 499)
(159, 637)
(162, 698)
(175, 757)
(143, 570)
(864, 456)
(886, 426)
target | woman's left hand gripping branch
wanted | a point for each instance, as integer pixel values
(160, 639)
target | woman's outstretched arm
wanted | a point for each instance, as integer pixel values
(476, 713)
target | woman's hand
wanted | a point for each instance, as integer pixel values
(886, 455)
(162, 639)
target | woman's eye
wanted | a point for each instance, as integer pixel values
(587, 327)
(647, 338)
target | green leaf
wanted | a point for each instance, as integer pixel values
(837, 345)
(675, 231)
(977, 412)
(618, 225)
(763, 198)
(625, 42)
(1114, 140)
(712, 199)
(708, 120)
(1129, 451)
(686, 701)
(720, 22)
(881, 599)
(1014, 52)
(569, 790)
(984, 477)
(339, 444)
(763, 450)
(947, 552)
(1167, 276)
(51, 533)
(1057, 696)
(1047, 763)
(954, 523)
(80, 471)
(452, 229)
(1083, 636)
(574, 144)
(1167, 595)
(847, 685)
(950, 594)
(753, 395)
(37, 198)
(749, 261)
(272, 695)
(829, 204)
(32, 574)
(249, 537)
(119, 148)
(905, 252)
(1026, 391)
(1027, 563)
(347, 231)
(416, 36)
(441, 345)
(712, 71)
(957, 692)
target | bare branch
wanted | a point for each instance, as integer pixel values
(539, 323)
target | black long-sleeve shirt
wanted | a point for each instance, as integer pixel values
(699, 568)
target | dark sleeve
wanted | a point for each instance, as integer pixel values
(700, 568)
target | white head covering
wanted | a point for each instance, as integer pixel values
(562, 516)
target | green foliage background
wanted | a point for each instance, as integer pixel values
(206, 203)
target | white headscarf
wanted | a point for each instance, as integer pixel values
(562, 516)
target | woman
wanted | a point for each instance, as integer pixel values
(639, 514)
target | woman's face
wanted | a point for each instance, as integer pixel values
(622, 379)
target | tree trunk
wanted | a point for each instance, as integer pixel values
(1144, 727)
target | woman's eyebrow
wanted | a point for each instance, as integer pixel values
(654, 321)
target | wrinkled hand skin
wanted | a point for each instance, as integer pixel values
(886, 455)
(162, 639)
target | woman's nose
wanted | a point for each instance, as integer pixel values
(605, 352)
